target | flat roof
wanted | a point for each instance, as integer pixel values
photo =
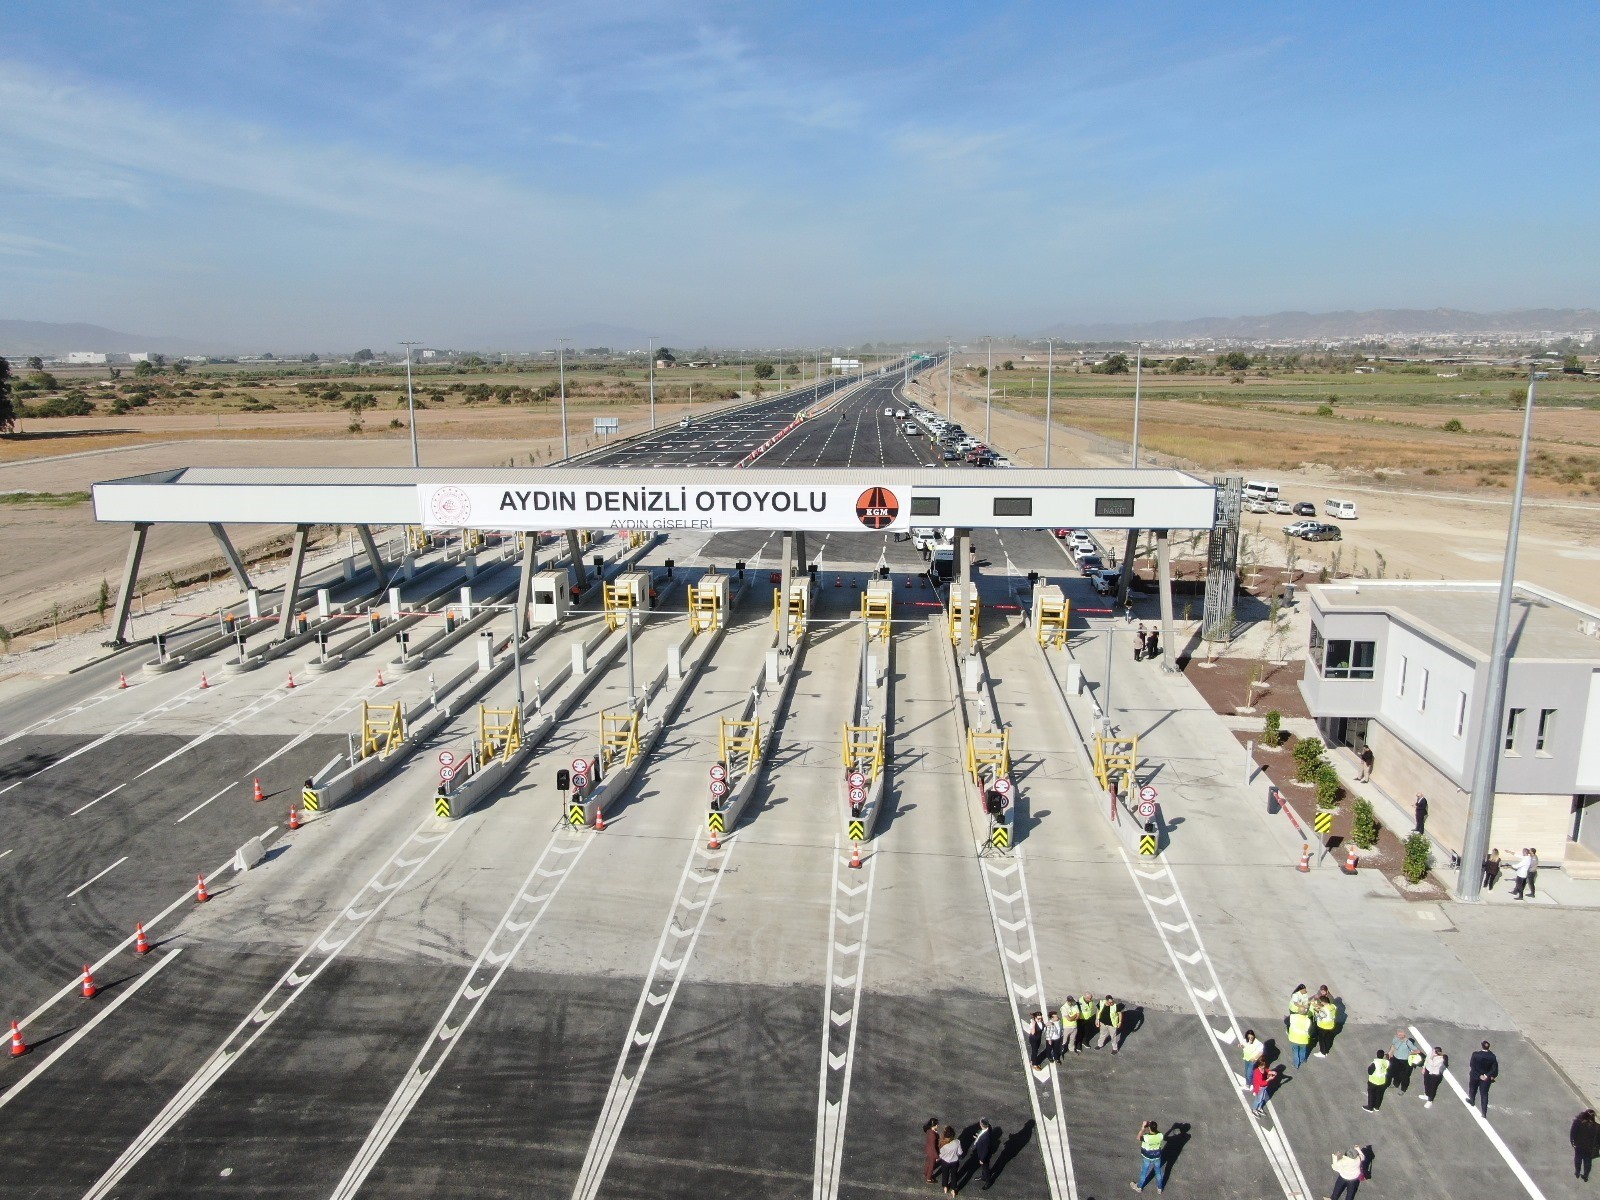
(1544, 624)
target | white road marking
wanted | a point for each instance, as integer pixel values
(202, 804)
(127, 993)
(1489, 1131)
(3, 853)
(244, 1036)
(92, 878)
(97, 800)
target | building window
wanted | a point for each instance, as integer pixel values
(1422, 691)
(1461, 713)
(1546, 731)
(1316, 643)
(1513, 726)
(1344, 659)
(1405, 663)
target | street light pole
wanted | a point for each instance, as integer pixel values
(652, 353)
(949, 365)
(561, 353)
(988, 400)
(1138, 371)
(1491, 729)
(411, 404)
(1049, 392)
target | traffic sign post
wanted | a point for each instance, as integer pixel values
(1323, 823)
(1147, 793)
(1147, 810)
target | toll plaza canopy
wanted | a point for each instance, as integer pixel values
(664, 498)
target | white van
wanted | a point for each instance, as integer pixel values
(1345, 510)
(1260, 489)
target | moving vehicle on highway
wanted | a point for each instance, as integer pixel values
(686, 423)
(1091, 563)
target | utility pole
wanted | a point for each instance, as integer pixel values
(1049, 392)
(949, 365)
(411, 404)
(1138, 371)
(988, 399)
(1491, 727)
(652, 353)
(561, 351)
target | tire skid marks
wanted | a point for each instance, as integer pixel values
(1158, 888)
(847, 947)
(290, 987)
(1018, 952)
(563, 852)
(703, 870)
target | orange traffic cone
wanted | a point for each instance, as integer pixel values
(599, 820)
(122, 680)
(18, 1046)
(294, 817)
(259, 795)
(291, 679)
(855, 856)
(141, 944)
(1305, 859)
(713, 844)
(380, 679)
(1351, 861)
(203, 683)
(200, 893)
(89, 989)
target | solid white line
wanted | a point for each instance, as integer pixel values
(202, 804)
(12, 1092)
(3, 853)
(97, 800)
(90, 880)
(1489, 1130)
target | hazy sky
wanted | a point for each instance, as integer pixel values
(325, 175)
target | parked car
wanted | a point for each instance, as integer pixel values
(1105, 582)
(1090, 563)
(1257, 506)
(1319, 532)
(1298, 528)
(925, 539)
(1283, 506)
(1305, 509)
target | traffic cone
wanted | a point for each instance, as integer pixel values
(380, 679)
(200, 893)
(294, 817)
(18, 1046)
(203, 683)
(259, 795)
(855, 856)
(599, 820)
(122, 681)
(1351, 861)
(89, 989)
(141, 944)
(1305, 859)
(714, 844)
(291, 679)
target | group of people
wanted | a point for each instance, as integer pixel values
(1404, 1057)
(1146, 643)
(1524, 870)
(947, 1163)
(1069, 1029)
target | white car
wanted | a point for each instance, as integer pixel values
(1283, 507)
(888, 412)
(1296, 528)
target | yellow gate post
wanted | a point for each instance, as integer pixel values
(619, 737)
(740, 738)
(988, 749)
(383, 728)
(499, 733)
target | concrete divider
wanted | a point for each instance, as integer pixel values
(860, 826)
(742, 787)
(977, 712)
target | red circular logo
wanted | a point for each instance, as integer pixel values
(449, 506)
(877, 507)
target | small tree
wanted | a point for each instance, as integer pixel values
(1008, 365)
(1419, 857)
(1324, 410)
(8, 414)
(1219, 635)
(1307, 757)
(763, 370)
(103, 600)
(35, 363)
(1272, 731)
(1329, 789)
(1364, 825)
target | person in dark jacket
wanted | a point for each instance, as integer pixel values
(1585, 1137)
(1482, 1070)
(981, 1153)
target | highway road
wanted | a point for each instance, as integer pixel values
(394, 1005)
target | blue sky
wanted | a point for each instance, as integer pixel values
(322, 175)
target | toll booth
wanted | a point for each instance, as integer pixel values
(963, 609)
(798, 608)
(1051, 611)
(708, 603)
(877, 608)
(550, 598)
(629, 591)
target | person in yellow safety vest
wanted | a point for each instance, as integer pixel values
(1377, 1080)
(1152, 1162)
(1085, 1018)
(1326, 1013)
(1110, 1019)
(1069, 1027)
(1299, 1038)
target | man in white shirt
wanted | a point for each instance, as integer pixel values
(1347, 1171)
(1521, 868)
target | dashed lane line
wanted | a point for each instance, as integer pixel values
(101, 875)
(97, 799)
(697, 890)
(545, 877)
(289, 988)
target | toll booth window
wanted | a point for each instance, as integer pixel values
(1113, 506)
(1013, 506)
(925, 506)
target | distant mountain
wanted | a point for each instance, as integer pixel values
(1288, 326)
(52, 338)
(588, 333)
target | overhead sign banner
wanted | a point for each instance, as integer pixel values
(712, 508)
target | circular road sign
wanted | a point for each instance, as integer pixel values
(719, 787)
(580, 766)
(1147, 793)
(447, 773)
(857, 795)
(719, 772)
(857, 779)
(1147, 809)
(1003, 786)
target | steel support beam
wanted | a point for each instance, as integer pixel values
(1169, 652)
(291, 588)
(784, 576)
(364, 532)
(530, 563)
(1126, 577)
(235, 563)
(130, 576)
(575, 557)
(963, 575)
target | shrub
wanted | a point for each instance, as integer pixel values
(1329, 788)
(1364, 825)
(1453, 426)
(1419, 857)
(1272, 731)
(1307, 757)
(1324, 410)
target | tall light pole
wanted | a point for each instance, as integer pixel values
(949, 365)
(988, 399)
(1491, 728)
(411, 404)
(1138, 371)
(652, 353)
(1049, 392)
(561, 359)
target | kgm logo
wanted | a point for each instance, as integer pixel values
(877, 507)
(449, 506)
